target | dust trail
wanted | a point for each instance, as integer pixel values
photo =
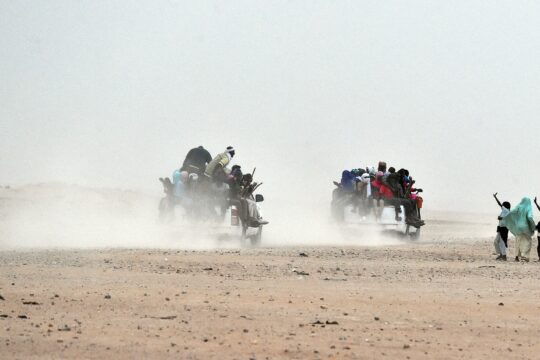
(56, 215)
(310, 224)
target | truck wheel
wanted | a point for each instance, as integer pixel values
(416, 235)
(243, 235)
(256, 239)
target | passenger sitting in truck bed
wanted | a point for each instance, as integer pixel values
(347, 181)
(391, 170)
(387, 195)
(385, 192)
(365, 179)
(235, 181)
(410, 191)
(249, 211)
(357, 185)
(181, 189)
(362, 198)
(376, 185)
(376, 192)
(394, 182)
(395, 197)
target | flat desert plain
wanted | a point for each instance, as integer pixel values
(441, 300)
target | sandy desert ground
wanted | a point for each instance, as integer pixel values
(442, 297)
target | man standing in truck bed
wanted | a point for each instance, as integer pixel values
(215, 170)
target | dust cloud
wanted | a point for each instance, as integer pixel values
(61, 215)
(58, 215)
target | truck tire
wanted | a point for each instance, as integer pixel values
(243, 235)
(415, 235)
(256, 239)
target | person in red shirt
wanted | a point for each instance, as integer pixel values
(376, 183)
(385, 192)
(376, 192)
(390, 199)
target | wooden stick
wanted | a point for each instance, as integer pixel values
(409, 188)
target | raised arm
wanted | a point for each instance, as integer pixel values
(497, 200)
(536, 203)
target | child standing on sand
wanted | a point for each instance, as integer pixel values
(501, 240)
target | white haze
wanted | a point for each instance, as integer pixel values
(113, 94)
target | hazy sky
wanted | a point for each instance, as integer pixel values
(114, 93)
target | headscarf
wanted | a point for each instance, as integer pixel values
(347, 179)
(365, 178)
(184, 176)
(520, 219)
(176, 176)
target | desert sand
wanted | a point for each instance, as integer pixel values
(442, 297)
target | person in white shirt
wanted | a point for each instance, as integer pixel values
(501, 240)
(215, 170)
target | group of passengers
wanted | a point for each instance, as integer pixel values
(203, 183)
(520, 222)
(369, 190)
